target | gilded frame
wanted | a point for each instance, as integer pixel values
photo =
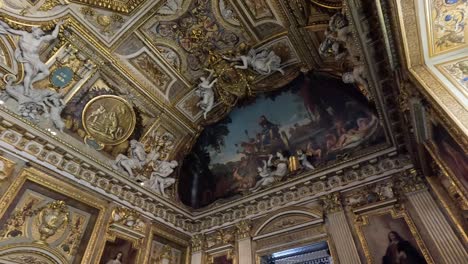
(137, 244)
(63, 188)
(432, 149)
(158, 229)
(230, 253)
(395, 215)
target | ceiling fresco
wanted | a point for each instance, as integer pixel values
(311, 123)
(138, 87)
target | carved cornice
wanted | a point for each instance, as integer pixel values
(52, 152)
(125, 6)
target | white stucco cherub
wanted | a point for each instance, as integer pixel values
(305, 163)
(267, 177)
(56, 105)
(206, 93)
(357, 76)
(136, 158)
(281, 165)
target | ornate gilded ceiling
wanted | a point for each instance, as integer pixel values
(125, 84)
(444, 46)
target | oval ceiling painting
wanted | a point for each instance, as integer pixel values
(317, 119)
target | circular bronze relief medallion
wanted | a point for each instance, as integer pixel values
(109, 119)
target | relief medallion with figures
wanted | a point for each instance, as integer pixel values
(109, 119)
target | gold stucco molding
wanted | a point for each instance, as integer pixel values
(433, 89)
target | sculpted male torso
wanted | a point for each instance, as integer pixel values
(28, 52)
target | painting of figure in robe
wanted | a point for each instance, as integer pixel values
(317, 117)
(222, 260)
(120, 251)
(389, 240)
(452, 155)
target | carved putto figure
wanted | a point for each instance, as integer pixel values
(128, 218)
(206, 93)
(281, 165)
(263, 62)
(357, 75)
(136, 158)
(305, 163)
(338, 38)
(272, 170)
(56, 105)
(151, 160)
(266, 179)
(339, 43)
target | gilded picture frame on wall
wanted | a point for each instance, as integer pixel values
(225, 255)
(388, 236)
(164, 242)
(40, 213)
(449, 154)
(120, 248)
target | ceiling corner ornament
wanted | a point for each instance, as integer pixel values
(330, 4)
(128, 221)
(123, 6)
(52, 217)
(50, 4)
(234, 82)
(339, 43)
(109, 119)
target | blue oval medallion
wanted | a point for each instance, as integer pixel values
(61, 77)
